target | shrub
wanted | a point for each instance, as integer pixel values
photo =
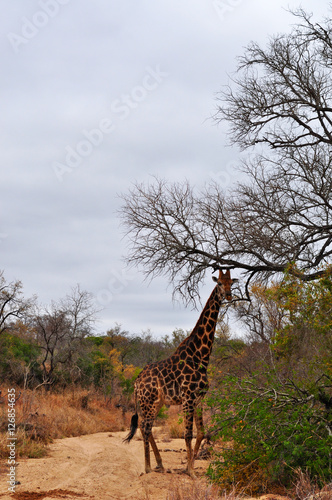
(18, 361)
(269, 432)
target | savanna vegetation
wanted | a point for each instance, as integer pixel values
(269, 408)
(272, 406)
(63, 378)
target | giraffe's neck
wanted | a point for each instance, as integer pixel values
(200, 341)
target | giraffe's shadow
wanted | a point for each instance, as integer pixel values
(177, 471)
(184, 472)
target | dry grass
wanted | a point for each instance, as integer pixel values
(198, 490)
(305, 489)
(174, 425)
(43, 416)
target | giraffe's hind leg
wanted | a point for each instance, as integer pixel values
(156, 452)
(146, 427)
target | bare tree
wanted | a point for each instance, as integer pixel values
(280, 104)
(80, 311)
(61, 328)
(13, 306)
(262, 317)
(282, 96)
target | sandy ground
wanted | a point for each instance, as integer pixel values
(100, 466)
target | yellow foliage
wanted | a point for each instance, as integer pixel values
(120, 369)
(114, 356)
(129, 371)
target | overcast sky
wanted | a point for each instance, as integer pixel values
(99, 94)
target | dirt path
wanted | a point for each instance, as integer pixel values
(98, 466)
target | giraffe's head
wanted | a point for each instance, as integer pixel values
(225, 282)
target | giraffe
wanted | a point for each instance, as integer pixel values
(180, 379)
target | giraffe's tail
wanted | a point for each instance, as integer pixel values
(133, 423)
(133, 428)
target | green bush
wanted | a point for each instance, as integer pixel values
(274, 413)
(19, 359)
(268, 433)
(163, 413)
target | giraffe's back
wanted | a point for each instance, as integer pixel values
(169, 380)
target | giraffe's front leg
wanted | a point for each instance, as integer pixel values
(188, 409)
(200, 430)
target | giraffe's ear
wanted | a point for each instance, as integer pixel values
(235, 280)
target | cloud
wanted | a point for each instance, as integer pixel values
(152, 70)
